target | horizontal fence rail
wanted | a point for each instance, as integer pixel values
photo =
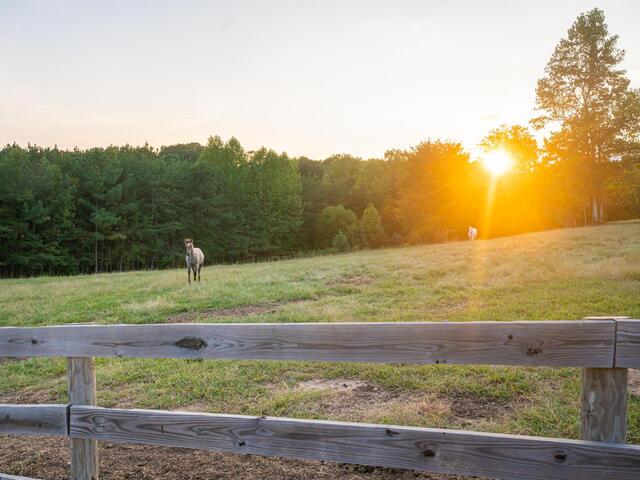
(4, 476)
(628, 344)
(580, 343)
(34, 419)
(425, 449)
(433, 450)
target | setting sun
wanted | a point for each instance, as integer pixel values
(497, 162)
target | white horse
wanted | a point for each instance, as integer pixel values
(194, 259)
(472, 233)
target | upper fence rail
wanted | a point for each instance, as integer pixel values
(603, 343)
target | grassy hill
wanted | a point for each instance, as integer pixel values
(561, 274)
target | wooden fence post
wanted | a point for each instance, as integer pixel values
(81, 372)
(603, 411)
(604, 405)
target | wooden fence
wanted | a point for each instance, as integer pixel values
(604, 347)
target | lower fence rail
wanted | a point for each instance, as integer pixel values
(4, 476)
(432, 450)
(34, 419)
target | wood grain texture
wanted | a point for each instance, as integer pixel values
(432, 450)
(603, 410)
(583, 343)
(628, 344)
(4, 476)
(33, 419)
(81, 375)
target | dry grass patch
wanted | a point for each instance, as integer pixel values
(4, 360)
(360, 401)
(239, 311)
(342, 399)
(149, 305)
(29, 396)
(351, 280)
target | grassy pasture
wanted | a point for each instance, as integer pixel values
(561, 274)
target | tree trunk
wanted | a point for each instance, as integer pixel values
(95, 250)
(601, 211)
(595, 211)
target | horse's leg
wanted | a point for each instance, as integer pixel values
(199, 268)
(189, 273)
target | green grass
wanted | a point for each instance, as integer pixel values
(561, 274)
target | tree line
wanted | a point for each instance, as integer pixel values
(123, 208)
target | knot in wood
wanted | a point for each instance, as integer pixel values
(560, 456)
(531, 351)
(192, 343)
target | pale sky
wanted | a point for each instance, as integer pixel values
(306, 77)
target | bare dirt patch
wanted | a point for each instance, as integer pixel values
(634, 382)
(352, 280)
(341, 384)
(239, 311)
(47, 391)
(474, 407)
(349, 399)
(357, 400)
(48, 458)
(28, 396)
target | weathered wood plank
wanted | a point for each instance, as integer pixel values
(81, 376)
(628, 344)
(433, 450)
(583, 343)
(604, 404)
(33, 419)
(4, 476)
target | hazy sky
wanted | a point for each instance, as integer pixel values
(308, 77)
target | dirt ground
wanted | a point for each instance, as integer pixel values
(47, 458)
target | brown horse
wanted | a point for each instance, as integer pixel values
(194, 259)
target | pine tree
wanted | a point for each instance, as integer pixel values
(587, 92)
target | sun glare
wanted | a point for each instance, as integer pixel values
(497, 162)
